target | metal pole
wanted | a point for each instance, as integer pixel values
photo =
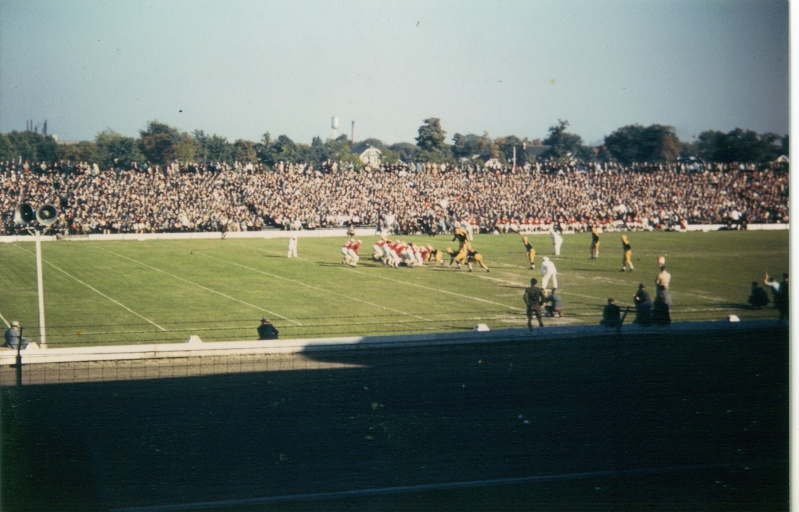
(19, 357)
(40, 283)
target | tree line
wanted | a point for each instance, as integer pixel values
(162, 144)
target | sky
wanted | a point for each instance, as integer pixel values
(241, 68)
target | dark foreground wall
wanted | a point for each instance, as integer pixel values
(658, 422)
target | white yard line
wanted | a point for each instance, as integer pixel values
(430, 266)
(611, 280)
(314, 287)
(437, 290)
(205, 288)
(651, 278)
(95, 290)
(608, 279)
(486, 275)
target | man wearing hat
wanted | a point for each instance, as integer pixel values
(14, 335)
(267, 331)
(643, 306)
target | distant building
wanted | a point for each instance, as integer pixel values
(371, 156)
(493, 163)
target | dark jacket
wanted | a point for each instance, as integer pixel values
(267, 331)
(611, 315)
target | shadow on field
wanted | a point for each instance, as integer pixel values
(662, 421)
(645, 413)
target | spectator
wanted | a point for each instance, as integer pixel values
(643, 306)
(14, 338)
(758, 298)
(611, 314)
(218, 197)
(780, 290)
(267, 331)
(661, 309)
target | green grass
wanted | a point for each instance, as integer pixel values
(112, 292)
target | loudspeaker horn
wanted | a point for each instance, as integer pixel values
(24, 214)
(46, 215)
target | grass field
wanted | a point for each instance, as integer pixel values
(111, 292)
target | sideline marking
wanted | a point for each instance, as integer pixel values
(478, 275)
(421, 487)
(313, 287)
(271, 313)
(87, 285)
(612, 280)
(511, 267)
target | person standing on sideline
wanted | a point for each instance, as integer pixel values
(557, 241)
(627, 255)
(530, 252)
(292, 247)
(533, 298)
(267, 331)
(663, 280)
(14, 336)
(780, 291)
(643, 306)
(758, 298)
(611, 314)
(594, 242)
(661, 313)
(548, 271)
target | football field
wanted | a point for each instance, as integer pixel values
(164, 291)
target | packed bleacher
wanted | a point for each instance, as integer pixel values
(423, 198)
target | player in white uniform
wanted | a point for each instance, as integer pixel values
(548, 271)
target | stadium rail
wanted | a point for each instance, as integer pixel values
(195, 347)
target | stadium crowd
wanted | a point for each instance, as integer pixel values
(402, 199)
